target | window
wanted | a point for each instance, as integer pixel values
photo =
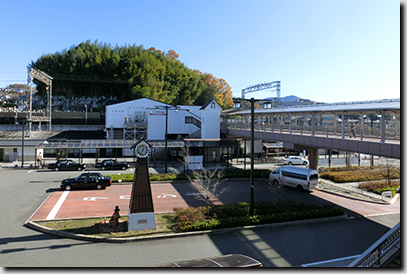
(295, 175)
(192, 120)
(313, 177)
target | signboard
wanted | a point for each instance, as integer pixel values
(157, 112)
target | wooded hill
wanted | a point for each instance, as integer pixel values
(129, 72)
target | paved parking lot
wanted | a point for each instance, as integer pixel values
(99, 203)
(167, 196)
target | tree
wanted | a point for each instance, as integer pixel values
(128, 72)
(172, 54)
(209, 184)
(222, 92)
(277, 187)
(208, 181)
(389, 170)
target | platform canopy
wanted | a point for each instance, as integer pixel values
(273, 145)
(87, 144)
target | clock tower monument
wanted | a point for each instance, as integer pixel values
(141, 209)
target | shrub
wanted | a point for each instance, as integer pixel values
(234, 215)
(379, 187)
(357, 174)
(231, 173)
(191, 214)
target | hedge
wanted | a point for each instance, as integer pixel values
(261, 219)
(234, 173)
(232, 215)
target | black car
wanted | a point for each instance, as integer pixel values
(111, 164)
(66, 165)
(87, 181)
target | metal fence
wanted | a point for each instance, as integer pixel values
(381, 251)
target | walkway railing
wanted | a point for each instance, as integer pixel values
(381, 251)
(391, 134)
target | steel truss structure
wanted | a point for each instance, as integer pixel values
(46, 79)
(269, 85)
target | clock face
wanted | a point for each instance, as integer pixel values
(142, 150)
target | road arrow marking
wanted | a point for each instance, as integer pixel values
(94, 198)
(165, 195)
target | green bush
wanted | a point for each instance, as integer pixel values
(393, 190)
(126, 177)
(231, 173)
(357, 174)
(233, 215)
(379, 187)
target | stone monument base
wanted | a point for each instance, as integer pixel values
(141, 221)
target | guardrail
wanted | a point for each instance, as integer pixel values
(381, 251)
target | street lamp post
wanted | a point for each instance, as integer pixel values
(22, 149)
(252, 160)
(22, 140)
(86, 114)
(166, 138)
(166, 132)
(252, 100)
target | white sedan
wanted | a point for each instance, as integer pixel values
(294, 160)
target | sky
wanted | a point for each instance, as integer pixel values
(321, 50)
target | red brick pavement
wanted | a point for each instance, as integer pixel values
(167, 196)
(100, 203)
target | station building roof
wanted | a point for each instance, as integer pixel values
(356, 106)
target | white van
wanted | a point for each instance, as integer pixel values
(296, 177)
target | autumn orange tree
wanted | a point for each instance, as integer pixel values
(221, 90)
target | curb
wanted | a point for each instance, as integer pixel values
(379, 201)
(44, 229)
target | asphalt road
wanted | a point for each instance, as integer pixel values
(22, 191)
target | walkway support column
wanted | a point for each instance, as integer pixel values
(313, 123)
(383, 127)
(362, 125)
(272, 122)
(343, 125)
(252, 160)
(291, 130)
(313, 158)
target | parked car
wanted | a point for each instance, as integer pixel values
(295, 177)
(66, 165)
(294, 160)
(111, 164)
(87, 181)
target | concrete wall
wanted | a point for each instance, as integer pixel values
(133, 110)
(210, 121)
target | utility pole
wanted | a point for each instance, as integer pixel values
(252, 160)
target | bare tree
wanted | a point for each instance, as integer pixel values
(277, 187)
(388, 170)
(209, 184)
(347, 159)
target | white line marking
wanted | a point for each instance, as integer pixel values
(94, 198)
(165, 195)
(30, 171)
(57, 206)
(331, 261)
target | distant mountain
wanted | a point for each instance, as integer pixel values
(288, 98)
